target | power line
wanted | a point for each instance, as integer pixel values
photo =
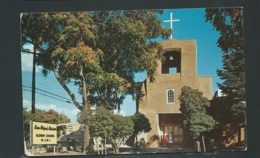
(44, 85)
(49, 79)
(48, 92)
(28, 51)
(67, 100)
(52, 94)
(46, 95)
(53, 97)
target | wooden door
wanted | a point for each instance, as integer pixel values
(177, 133)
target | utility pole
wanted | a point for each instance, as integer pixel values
(33, 80)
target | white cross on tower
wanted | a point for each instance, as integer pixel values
(171, 21)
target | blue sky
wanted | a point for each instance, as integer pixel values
(192, 25)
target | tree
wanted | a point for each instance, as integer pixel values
(141, 124)
(229, 23)
(122, 128)
(27, 117)
(98, 51)
(138, 94)
(103, 123)
(221, 110)
(194, 117)
(126, 37)
(50, 116)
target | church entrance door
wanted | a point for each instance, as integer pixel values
(169, 123)
(177, 133)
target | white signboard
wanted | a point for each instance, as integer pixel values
(43, 133)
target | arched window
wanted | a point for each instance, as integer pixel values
(170, 96)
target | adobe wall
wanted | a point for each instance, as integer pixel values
(155, 101)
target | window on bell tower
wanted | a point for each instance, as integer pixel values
(170, 96)
(172, 63)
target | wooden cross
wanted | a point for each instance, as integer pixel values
(171, 21)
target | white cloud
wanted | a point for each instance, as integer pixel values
(27, 60)
(123, 113)
(27, 104)
(74, 111)
(71, 114)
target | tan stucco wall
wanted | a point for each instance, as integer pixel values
(204, 85)
(155, 101)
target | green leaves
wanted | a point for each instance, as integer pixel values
(229, 23)
(50, 116)
(108, 89)
(141, 123)
(122, 126)
(99, 51)
(124, 41)
(103, 123)
(102, 50)
(194, 117)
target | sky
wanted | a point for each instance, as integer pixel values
(191, 25)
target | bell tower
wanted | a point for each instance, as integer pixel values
(160, 102)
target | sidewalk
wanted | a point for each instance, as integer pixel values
(124, 149)
(154, 150)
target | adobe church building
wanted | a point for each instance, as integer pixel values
(160, 102)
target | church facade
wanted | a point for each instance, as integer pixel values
(160, 102)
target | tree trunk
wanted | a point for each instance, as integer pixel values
(118, 108)
(198, 146)
(203, 143)
(66, 88)
(86, 139)
(117, 149)
(137, 106)
(115, 145)
(239, 135)
(85, 94)
(245, 134)
(105, 145)
(136, 140)
(85, 106)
